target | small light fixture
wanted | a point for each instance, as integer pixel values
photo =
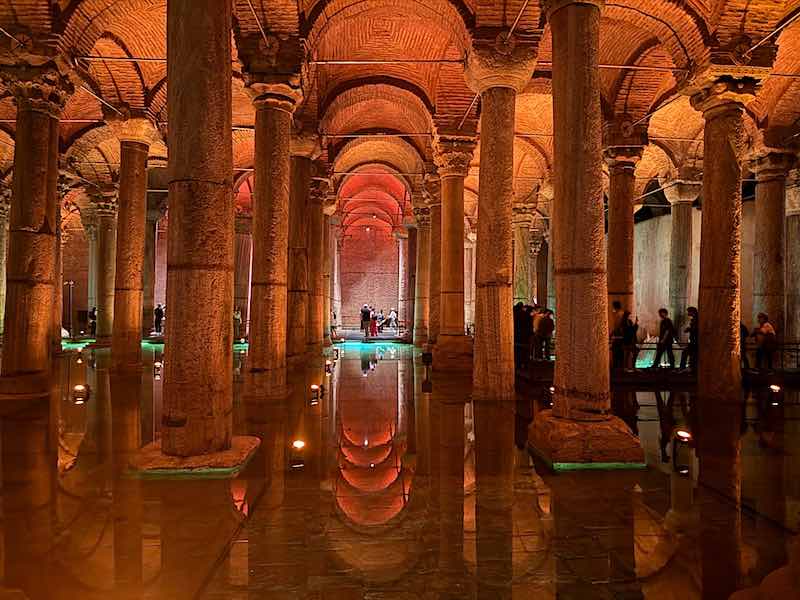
(335, 354)
(298, 444)
(79, 360)
(374, 216)
(315, 394)
(552, 390)
(371, 465)
(776, 404)
(683, 435)
(80, 394)
(367, 229)
(774, 388)
(158, 367)
(366, 443)
(296, 460)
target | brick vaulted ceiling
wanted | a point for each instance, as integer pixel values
(348, 104)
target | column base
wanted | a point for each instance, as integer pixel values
(567, 445)
(151, 463)
(452, 353)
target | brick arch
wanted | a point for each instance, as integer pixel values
(393, 154)
(778, 101)
(655, 163)
(121, 82)
(34, 16)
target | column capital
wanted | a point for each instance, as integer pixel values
(305, 144)
(319, 190)
(422, 216)
(5, 203)
(524, 213)
(104, 201)
(453, 154)
(504, 62)
(770, 164)
(711, 92)
(793, 198)
(550, 7)
(624, 143)
(132, 125)
(285, 95)
(680, 191)
(622, 158)
(400, 235)
(432, 185)
(89, 223)
(38, 88)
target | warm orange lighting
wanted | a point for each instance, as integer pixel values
(298, 444)
(683, 435)
(79, 388)
(775, 388)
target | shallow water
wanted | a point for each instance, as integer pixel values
(395, 493)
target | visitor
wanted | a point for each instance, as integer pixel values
(373, 322)
(365, 319)
(381, 320)
(615, 334)
(93, 321)
(538, 315)
(333, 326)
(766, 341)
(545, 332)
(689, 355)
(158, 314)
(629, 348)
(666, 338)
(744, 333)
(393, 322)
(237, 323)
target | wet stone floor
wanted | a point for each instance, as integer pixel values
(391, 482)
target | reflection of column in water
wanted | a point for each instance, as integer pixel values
(494, 472)
(127, 501)
(29, 471)
(451, 484)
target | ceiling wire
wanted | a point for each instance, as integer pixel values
(258, 22)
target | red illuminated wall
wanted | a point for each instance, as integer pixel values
(369, 271)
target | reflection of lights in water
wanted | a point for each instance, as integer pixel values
(158, 364)
(552, 390)
(684, 470)
(298, 444)
(79, 360)
(776, 404)
(683, 435)
(366, 443)
(775, 388)
(79, 388)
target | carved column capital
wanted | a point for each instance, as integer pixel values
(132, 126)
(319, 191)
(504, 62)
(524, 214)
(423, 216)
(305, 144)
(680, 191)
(285, 95)
(793, 196)
(453, 155)
(771, 164)
(38, 88)
(432, 187)
(243, 225)
(712, 94)
(104, 201)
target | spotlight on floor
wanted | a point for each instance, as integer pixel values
(80, 394)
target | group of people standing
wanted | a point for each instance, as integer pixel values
(533, 332)
(373, 321)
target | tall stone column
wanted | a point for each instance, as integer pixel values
(551, 276)
(316, 292)
(89, 222)
(681, 194)
(304, 151)
(5, 207)
(453, 156)
(268, 300)
(411, 287)
(403, 274)
(537, 243)
(621, 162)
(58, 283)
(434, 192)
(719, 378)
(469, 279)
(327, 279)
(421, 305)
(337, 274)
(521, 222)
(135, 136)
(542, 264)
(769, 266)
(105, 209)
(582, 403)
(243, 261)
(498, 74)
(40, 95)
(793, 264)
(149, 272)
(198, 381)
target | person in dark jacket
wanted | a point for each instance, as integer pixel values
(666, 337)
(158, 315)
(744, 333)
(629, 330)
(689, 356)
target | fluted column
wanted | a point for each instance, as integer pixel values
(105, 210)
(135, 134)
(316, 303)
(198, 381)
(522, 217)
(421, 304)
(582, 405)
(304, 151)
(498, 77)
(770, 238)
(681, 194)
(621, 162)
(243, 260)
(5, 207)
(434, 197)
(793, 264)
(268, 301)
(40, 95)
(453, 156)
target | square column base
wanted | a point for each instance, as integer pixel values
(151, 463)
(567, 445)
(452, 353)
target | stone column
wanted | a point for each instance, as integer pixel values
(268, 297)
(403, 274)
(40, 95)
(327, 279)
(243, 262)
(421, 305)
(126, 345)
(411, 287)
(89, 222)
(793, 264)
(105, 209)
(198, 381)
(304, 151)
(469, 279)
(337, 275)
(621, 162)
(719, 376)
(316, 292)
(149, 272)
(551, 277)
(433, 190)
(521, 222)
(498, 75)
(453, 348)
(58, 282)
(542, 263)
(5, 207)
(681, 194)
(537, 243)
(582, 404)
(770, 239)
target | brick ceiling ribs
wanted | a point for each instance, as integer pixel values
(381, 77)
